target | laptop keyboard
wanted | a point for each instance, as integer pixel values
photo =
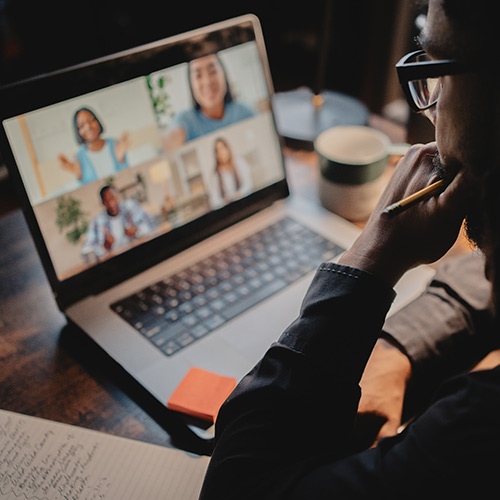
(182, 308)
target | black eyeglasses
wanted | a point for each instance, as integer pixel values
(419, 77)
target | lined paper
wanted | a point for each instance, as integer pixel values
(45, 460)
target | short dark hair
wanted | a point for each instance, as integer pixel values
(478, 17)
(461, 11)
(104, 190)
(79, 138)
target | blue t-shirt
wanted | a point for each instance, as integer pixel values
(88, 171)
(196, 124)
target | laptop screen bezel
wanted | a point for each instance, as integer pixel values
(55, 87)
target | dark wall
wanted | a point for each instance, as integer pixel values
(38, 36)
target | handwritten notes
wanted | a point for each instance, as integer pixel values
(44, 460)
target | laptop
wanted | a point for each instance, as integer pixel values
(170, 248)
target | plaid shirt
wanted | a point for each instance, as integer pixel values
(131, 213)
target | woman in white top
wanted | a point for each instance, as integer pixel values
(233, 180)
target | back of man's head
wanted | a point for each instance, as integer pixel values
(471, 35)
(476, 21)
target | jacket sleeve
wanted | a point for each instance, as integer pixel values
(449, 327)
(311, 373)
(285, 432)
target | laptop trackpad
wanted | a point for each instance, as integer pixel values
(253, 332)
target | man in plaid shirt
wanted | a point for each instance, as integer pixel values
(117, 225)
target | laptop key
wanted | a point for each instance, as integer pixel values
(169, 332)
(203, 312)
(190, 320)
(231, 297)
(219, 304)
(253, 299)
(170, 348)
(150, 332)
(199, 331)
(214, 322)
(185, 339)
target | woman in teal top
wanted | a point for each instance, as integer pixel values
(97, 157)
(213, 104)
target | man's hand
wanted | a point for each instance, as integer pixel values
(383, 387)
(389, 245)
(130, 230)
(108, 239)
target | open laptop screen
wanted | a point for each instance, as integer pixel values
(167, 135)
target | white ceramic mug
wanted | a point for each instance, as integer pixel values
(353, 160)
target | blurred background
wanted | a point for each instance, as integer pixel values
(343, 46)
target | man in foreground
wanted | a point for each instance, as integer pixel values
(287, 431)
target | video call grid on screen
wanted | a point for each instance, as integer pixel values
(158, 184)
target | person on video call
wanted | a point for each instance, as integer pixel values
(120, 223)
(213, 103)
(290, 428)
(232, 173)
(97, 157)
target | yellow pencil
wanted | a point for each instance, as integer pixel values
(414, 198)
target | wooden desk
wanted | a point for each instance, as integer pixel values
(50, 369)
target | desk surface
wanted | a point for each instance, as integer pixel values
(44, 370)
(51, 370)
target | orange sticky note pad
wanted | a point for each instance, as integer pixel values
(201, 393)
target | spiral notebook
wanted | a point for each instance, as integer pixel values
(42, 459)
